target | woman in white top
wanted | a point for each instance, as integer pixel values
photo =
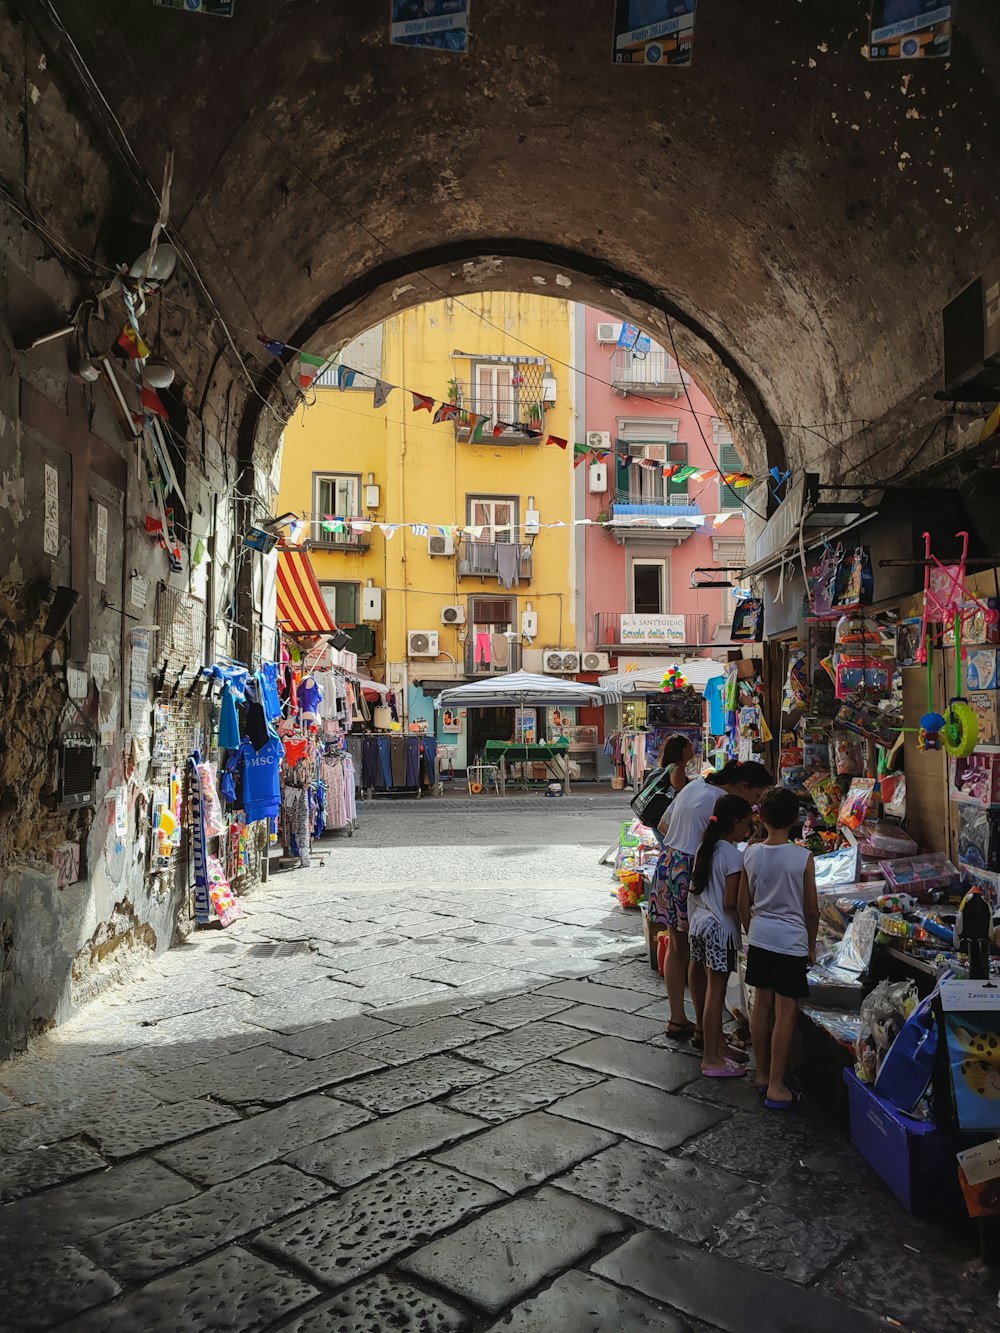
(779, 909)
(713, 926)
(693, 807)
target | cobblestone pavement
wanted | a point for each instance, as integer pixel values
(444, 1103)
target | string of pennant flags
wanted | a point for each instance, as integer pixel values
(483, 427)
(334, 524)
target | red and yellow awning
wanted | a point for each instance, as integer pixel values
(301, 608)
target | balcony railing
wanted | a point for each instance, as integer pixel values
(482, 559)
(523, 417)
(654, 373)
(338, 541)
(490, 668)
(687, 630)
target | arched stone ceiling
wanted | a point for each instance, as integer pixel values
(803, 213)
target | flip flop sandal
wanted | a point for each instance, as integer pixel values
(737, 1055)
(761, 1090)
(730, 1071)
(796, 1103)
(680, 1031)
(698, 1039)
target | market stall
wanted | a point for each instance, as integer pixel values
(527, 694)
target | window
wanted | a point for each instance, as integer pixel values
(492, 613)
(497, 515)
(343, 602)
(509, 391)
(487, 650)
(493, 391)
(729, 461)
(654, 439)
(649, 587)
(335, 495)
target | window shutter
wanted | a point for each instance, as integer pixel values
(729, 459)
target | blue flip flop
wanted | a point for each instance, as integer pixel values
(796, 1102)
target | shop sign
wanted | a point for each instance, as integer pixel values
(908, 29)
(652, 629)
(453, 721)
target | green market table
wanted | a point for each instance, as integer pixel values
(554, 755)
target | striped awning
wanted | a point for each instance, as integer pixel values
(301, 608)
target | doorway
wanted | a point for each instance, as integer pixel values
(488, 724)
(649, 586)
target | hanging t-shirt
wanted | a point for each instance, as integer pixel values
(269, 691)
(262, 779)
(710, 905)
(229, 723)
(690, 811)
(714, 691)
(777, 898)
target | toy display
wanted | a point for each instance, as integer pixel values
(673, 679)
(975, 778)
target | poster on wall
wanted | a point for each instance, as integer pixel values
(653, 32)
(222, 9)
(973, 1035)
(525, 726)
(442, 25)
(453, 721)
(910, 29)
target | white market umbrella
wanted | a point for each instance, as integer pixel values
(522, 688)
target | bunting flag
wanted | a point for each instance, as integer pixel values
(557, 439)
(710, 475)
(421, 403)
(420, 529)
(446, 412)
(388, 530)
(481, 422)
(684, 473)
(345, 377)
(152, 402)
(131, 343)
(670, 469)
(361, 525)
(719, 519)
(309, 368)
(580, 452)
(273, 346)
(381, 392)
(498, 429)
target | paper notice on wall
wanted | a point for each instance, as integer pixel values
(442, 25)
(50, 527)
(653, 32)
(909, 29)
(100, 668)
(139, 683)
(101, 546)
(121, 812)
(77, 683)
(138, 589)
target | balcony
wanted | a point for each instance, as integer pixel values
(481, 560)
(634, 632)
(523, 415)
(654, 374)
(322, 540)
(477, 670)
(665, 522)
(362, 639)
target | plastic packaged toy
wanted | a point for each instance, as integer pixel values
(857, 803)
(921, 875)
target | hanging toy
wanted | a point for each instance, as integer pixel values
(960, 735)
(673, 680)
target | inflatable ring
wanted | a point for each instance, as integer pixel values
(961, 729)
(475, 788)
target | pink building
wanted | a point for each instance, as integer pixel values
(637, 577)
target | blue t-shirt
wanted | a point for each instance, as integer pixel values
(262, 779)
(714, 691)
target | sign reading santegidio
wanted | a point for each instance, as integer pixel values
(652, 629)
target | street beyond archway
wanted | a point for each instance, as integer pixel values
(425, 1086)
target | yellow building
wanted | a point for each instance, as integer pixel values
(489, 587)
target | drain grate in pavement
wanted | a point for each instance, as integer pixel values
(279, 949)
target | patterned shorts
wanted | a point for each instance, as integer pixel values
(712, 947)
(668, 899)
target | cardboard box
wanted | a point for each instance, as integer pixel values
(986, 706)
(982, 669)
(976, 779)
(914, 1160)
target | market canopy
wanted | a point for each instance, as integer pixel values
(301, 608)
(698, 671)
(520, 688)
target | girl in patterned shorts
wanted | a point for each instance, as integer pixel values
(713, 926)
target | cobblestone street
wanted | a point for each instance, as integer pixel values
(425, 1086)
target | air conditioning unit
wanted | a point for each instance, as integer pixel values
(453, 615)
(597, 482)
(595, 662)
(422, 643)
(561, 663)
(608, 333)
(598, 439)
(441, 544)
(371, 603)
(529, 624)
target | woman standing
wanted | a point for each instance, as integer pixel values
(689, 817)
(675, 755)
